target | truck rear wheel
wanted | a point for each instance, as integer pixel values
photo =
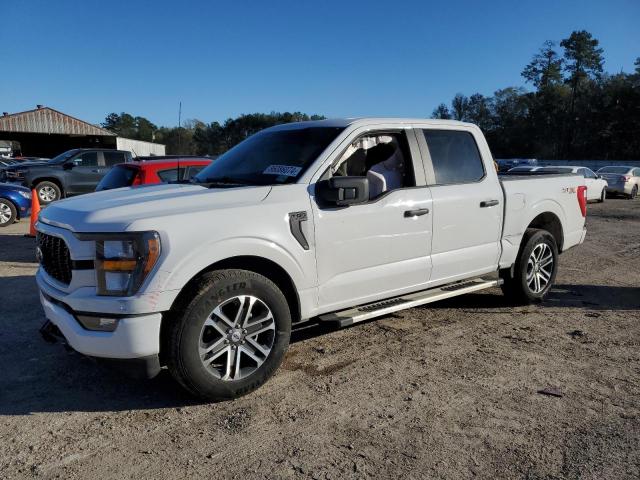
(229, 336)
(535, 268)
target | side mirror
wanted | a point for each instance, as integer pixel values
(343, 191)
(68, 165)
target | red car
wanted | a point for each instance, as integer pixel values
(152, 171)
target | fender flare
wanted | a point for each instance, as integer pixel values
(218, 251)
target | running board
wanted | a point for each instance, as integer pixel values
(364, 312)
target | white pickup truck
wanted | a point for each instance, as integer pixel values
(335, 221)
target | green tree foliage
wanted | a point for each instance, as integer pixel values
(195, 137)
(459, 106)
(125, 125)
(575, 112)
(215, 138)
(441, 112)
(545, 69)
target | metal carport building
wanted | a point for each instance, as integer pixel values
(45, 132)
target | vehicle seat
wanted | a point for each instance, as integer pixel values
(384, 169)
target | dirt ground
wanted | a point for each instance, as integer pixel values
(445, 391)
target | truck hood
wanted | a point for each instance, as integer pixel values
(115, 210)
(29, 165)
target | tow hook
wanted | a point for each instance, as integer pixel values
(52, 334)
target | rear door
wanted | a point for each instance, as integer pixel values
(467, 203)
(84, 174)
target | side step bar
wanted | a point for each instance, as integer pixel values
(364, 312)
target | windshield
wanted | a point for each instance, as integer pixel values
(620, 170)
(272, 157)
(63, 156)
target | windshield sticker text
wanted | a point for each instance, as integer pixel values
(287, 170)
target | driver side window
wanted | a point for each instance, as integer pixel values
(88, 159)
(383, 158)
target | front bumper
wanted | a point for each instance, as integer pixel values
(136, 337)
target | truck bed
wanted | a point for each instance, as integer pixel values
(528, 195)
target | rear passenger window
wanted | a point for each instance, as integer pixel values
(168, 175)
(113, 158)
(455, 156)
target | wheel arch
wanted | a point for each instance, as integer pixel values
(261, 265)
(550, 222)
(56, 180)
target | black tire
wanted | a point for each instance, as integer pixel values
(634, 192)
(8, 213)
(187, 324)
(515, 286)
(48, 192)
(603, 195)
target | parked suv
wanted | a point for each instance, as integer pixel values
(71, 173)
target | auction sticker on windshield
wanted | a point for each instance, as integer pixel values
(287, 170)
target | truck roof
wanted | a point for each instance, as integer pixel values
(362, 121)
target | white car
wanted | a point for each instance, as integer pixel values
(596, 185)
(622, 180)
(336, 220)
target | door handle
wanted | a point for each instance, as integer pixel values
(489, 203)
(95, 171)
(416, 213)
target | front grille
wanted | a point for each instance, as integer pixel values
(54, 257)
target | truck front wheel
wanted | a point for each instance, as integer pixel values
(228, 337)
(48, 192)
(535, 269)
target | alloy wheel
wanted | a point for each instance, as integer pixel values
(237, 337)
(539, 268)
(47, 194)
(5, 213)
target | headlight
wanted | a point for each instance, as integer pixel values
(124, 261)
(26, 195)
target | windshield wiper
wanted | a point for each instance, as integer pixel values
(225, 181)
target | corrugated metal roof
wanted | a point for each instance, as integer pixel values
(48, 120)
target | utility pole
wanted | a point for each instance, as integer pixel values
(179, 125)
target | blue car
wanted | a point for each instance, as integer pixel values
(15, 203)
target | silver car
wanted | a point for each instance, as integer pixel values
(621, 180)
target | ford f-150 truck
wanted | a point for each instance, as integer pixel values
(336, 221)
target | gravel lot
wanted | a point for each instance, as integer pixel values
(444, 391)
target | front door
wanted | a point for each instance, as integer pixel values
(84, 173)
(381, 248)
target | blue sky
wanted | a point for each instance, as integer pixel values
(337, 58)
